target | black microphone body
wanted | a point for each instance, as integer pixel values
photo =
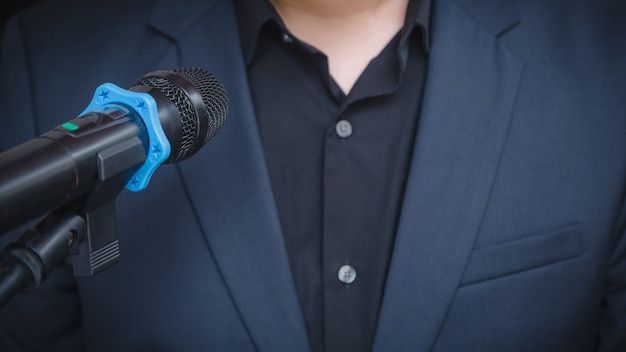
(189, 105)
(73, 173)
(60, 166)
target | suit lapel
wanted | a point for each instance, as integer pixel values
(470, 92)
(228, 184)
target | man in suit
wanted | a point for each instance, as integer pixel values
(443, 175)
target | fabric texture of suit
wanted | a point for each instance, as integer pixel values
(511, 236)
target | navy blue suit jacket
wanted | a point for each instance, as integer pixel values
(511, 235)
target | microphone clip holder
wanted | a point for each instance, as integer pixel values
(82, 233)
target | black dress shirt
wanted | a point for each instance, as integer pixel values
(338, 164)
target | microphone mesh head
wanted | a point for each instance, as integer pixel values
(200, 121)
(213, 95)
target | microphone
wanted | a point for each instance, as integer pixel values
(164, 117)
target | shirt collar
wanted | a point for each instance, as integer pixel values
(253, 15)
(418, 15)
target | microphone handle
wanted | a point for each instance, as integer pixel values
(60, 166)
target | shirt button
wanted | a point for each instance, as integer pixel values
(343, 128)
(346, 274)
(287, 38)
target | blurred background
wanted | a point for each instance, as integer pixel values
(11, 7)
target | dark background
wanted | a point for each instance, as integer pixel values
(11, 7)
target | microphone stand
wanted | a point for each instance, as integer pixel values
(81, 233)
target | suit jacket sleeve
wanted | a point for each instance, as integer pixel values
(612, 336)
